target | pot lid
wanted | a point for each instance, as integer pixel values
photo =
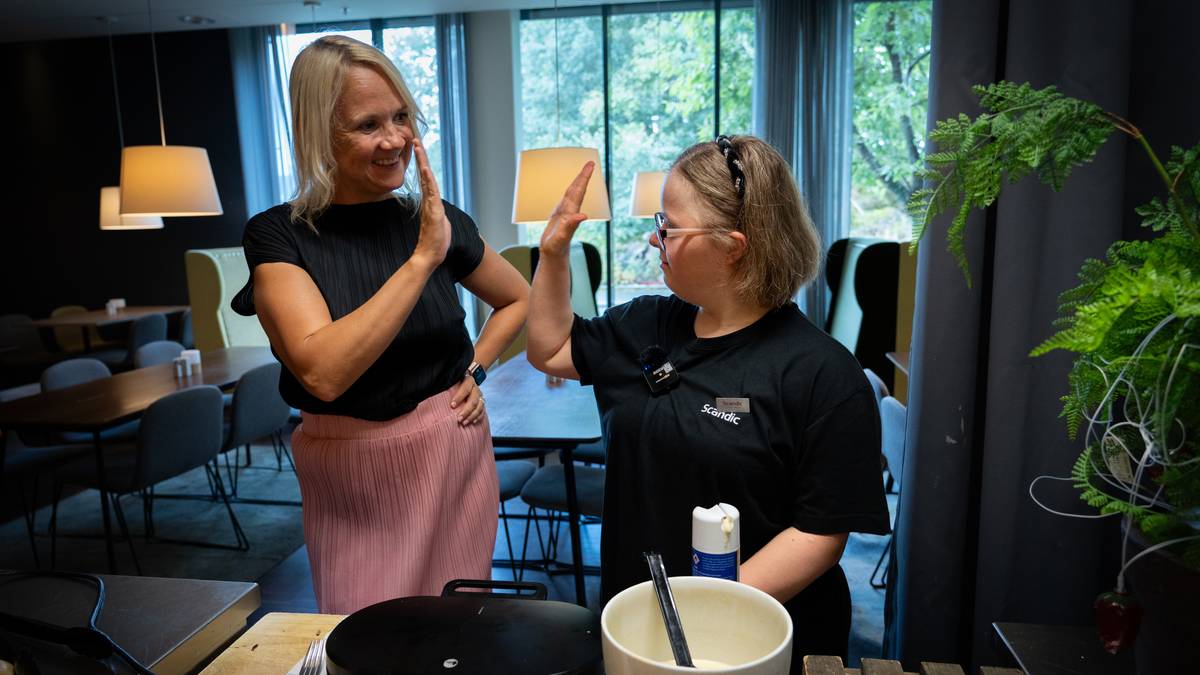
(465, 634)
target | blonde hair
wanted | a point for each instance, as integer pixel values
(316, 83)
(783, 249)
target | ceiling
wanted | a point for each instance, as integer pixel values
(35, 20)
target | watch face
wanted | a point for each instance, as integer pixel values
(479, 374)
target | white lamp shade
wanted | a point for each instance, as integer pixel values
(167, 180)
(111, 218)
(646, 198)
(543, 176)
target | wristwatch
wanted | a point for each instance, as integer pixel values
(477, 372)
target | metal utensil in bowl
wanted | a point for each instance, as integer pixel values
(670, 613)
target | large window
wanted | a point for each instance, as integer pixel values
(891, 96)
(410, 43)
(641, 83)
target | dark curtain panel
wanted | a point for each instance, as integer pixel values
(971, 547)
(802, 96)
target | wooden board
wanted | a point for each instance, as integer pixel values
(274, 644)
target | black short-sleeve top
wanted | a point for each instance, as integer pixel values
(803, 454)
(355, 249)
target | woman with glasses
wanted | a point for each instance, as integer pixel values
(768, 413)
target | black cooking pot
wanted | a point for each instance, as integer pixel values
(513, 632)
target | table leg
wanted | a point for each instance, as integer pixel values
(568, 461)
(108, 540)
(87, 340)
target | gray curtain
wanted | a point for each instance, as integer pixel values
(971, 547)
(802, 97)
(260, 94)
(451, 39)
(452, 105)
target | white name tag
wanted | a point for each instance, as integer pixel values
(737, 405)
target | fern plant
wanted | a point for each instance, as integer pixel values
(1134, 319)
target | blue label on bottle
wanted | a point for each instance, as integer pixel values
(719, 565)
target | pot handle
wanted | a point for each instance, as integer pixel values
(517, 590)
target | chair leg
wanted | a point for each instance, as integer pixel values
(58, 487)
(29, 514)
(243, 543)
(879, 563)
(116, 504)
(247, 455)
(148, 513)
(286, 452)
(231, 472)
(508, 539)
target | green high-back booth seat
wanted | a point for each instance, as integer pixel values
(214, 276)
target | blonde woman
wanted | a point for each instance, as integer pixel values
(355, 287)
(768, 413)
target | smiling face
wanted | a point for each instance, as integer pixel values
(695, 267)
(373, 139)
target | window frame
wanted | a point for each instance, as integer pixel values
(606, 12)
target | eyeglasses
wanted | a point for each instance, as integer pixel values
(662, 233)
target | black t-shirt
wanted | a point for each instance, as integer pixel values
(806, 455)
(357, 247)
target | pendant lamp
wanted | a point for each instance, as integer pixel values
(166, 180)
(646, 194)
(110, 197)
(543, 174)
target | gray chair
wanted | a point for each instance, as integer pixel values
(547, 489)
(69, 373)
(187, 335)
(157, 352)
(24, 465)
(513, 476)
(178, 433)
(143, 330)
(877, 384)
(894, 419)
(257, 411)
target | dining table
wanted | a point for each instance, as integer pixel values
(108, 402)
(528, 409)
(100, 317)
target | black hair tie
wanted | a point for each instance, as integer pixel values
(725, 145)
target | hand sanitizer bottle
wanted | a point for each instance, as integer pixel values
(716, 542)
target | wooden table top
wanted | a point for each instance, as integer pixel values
(273, 645)
(100, 317)
(899, 359)
(525, 410)
(104, 403)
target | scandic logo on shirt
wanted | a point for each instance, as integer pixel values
(727, 416)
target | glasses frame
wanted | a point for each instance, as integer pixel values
(662, 233)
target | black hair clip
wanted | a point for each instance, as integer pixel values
(725, 145)
(659, 373)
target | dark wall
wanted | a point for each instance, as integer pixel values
(62, 147)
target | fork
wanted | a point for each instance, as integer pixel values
(314, 660)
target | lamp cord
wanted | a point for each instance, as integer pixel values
(112, 60)
(557, 120)
(162, 128)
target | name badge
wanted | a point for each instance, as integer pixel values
(737, 405)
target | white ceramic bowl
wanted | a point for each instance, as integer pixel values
(740, 627)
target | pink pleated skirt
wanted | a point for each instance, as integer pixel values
(396, 508)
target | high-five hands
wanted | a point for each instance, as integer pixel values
(434, 238)
(556, 238)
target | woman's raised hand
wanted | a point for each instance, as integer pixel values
(556, 238)
(434, 239)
